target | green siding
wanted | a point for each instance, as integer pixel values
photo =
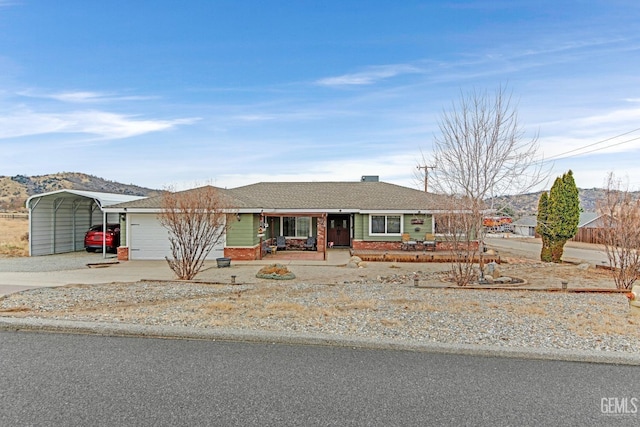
(359, 223)
(244, 232)
(423, 228)
(361, 228)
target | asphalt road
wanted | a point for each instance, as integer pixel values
(530, 248)
(79, 380)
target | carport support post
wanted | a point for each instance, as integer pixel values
(32, 206)
(104, 234)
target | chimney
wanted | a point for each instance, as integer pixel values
(370, 178)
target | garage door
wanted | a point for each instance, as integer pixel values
(149, 240)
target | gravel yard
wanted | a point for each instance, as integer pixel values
(379, 301)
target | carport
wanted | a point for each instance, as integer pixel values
(58, 220)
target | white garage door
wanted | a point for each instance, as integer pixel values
(148, 239)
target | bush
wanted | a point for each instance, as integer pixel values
(276, 272)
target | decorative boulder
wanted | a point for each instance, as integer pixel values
(355, 262)
(492, 269)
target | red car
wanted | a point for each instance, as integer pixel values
(93, 238)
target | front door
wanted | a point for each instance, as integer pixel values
(338, 230)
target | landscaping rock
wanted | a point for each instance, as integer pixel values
(492, 269)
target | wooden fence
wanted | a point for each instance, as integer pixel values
(588, 235)
(14, 215)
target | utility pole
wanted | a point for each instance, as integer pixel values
(426, 175)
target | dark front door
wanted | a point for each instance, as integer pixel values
(338, 230)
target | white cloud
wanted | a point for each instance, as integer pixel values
(100, 123)
(82, 96)
(370, 76)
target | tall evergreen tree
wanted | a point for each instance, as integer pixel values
(541, 227)
(560, 217)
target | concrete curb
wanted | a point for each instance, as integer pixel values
(177, 332)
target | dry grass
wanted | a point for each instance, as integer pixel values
(272, 307)
(14, 241)
(611, 324)
(15, 310)
(217, 307)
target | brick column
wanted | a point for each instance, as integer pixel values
(322, 233)
(123, 253)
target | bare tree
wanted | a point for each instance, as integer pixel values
(197, 221)
(620, 233)
(457, 224)
(481, 152)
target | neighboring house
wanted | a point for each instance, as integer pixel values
(590, 220)
(361, 215)
(526, 226)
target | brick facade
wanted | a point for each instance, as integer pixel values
(123, 253)
(322, 234)
(375, 246)
(242, 254)
(447, 246)
(396, 246)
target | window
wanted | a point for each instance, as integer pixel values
(296, 226)
(385, 224)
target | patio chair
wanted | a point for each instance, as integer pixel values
(310, 244)
(281, 243)
(408, 244)
(429, 243)
(266, 249)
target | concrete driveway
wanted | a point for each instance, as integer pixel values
(18, 274)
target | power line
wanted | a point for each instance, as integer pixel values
(608, 146)
(560, 156)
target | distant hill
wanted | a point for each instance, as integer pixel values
(527, 204)
(15, 190)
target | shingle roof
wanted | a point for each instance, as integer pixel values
(532, 220)
(526, 221)
(320, 195)
(587, 217)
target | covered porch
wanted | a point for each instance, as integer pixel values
(293, 235)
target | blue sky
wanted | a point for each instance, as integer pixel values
(181, 93)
